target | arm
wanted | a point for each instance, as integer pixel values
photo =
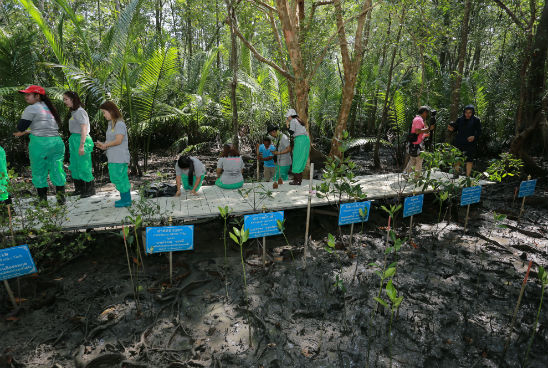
(178, 185)
(83, 135)
(116, 142)
(219, 172)
(196, 183)
(22, 127)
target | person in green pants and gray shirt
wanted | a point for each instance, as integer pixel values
(283, 145)
(116, 147)
(46, 148)
(229, 169)
(191, 173)
(80, 146)
(301, 148)
(4, 179)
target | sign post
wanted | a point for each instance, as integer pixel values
(469, 196)
(412, 206)
(262, 225)
(349, 213)
(14, 262)
(310, 193)
(526, 188)
(170, 223)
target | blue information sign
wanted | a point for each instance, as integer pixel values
(413, 205)
(170, 238)
(350, 212)
(470, 195)
(263, 224)
(527, 188)
(15, 262)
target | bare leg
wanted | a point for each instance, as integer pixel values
(469, 168)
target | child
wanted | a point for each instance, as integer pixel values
(266, 154)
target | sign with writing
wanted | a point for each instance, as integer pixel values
(527, 188)
(350, 212)
(263, 224)
(413, 205)
(470, 195)
(15, 262)
(169, 238)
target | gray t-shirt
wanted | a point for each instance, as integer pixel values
(232, 169)
(297, 128)
(78, 118)
(199, 168)
(117, 154)
(285, 159)
(43, 123)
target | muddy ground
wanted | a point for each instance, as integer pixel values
(459, 293)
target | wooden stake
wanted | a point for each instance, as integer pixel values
(410, 227)
(523, 202)
(466, 218)
(170, 223)
(308, 210)
(517, 306)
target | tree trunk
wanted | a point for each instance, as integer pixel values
(233, 65)
(455, 95)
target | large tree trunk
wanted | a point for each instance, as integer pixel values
(233, 65)
(455, 95)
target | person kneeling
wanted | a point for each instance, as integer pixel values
(191, 173)
(229, 169)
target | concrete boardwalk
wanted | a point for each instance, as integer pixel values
(99, 211)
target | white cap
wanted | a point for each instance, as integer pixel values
(290, 112)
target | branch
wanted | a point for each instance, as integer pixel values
(516, 20)
(262, 3)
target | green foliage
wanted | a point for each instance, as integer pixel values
(240, 237)
(543, 278)
(506, 165)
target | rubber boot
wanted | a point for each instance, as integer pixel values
(60, 194)
(125, 200)
(88, 189)
(297, 179)
(78, 187)
(42, 196)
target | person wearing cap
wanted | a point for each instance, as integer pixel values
(301, 147)
(283, 153)
(266, 155)
(117, 151)
(191, 173)
(46, 148)
(419, 128)
(80, 146)
(230, 168)
(468, 128)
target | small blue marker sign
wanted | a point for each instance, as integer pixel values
(413, 205)
(527, 188)
(169, 239)
(470, 195)
(350, 212)
(15, 262)
(263, 224)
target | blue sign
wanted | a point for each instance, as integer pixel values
(170, 238)
(15, 262)
(527, 188)
(263, 224)
(470, 195)
(350, 212)
(413, 205)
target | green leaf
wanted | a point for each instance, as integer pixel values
(245, 236)
(381, 302)
(389, 272)
(391, 291)
(233, 237)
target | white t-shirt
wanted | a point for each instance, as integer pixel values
(232, 169)
(78, 118)
(297, 128)
(199, 168)
(285, 159)
(117, 154)
(43, 122)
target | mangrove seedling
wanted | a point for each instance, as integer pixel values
(543, 277)
(395, 302)
(498, 218)
(281, 227)
(225, 212)
(363, 216)
(330, 248)
(240, 237)
(391, 211)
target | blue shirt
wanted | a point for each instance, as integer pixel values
(266, 153)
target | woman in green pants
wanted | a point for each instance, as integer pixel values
(46, 148)
(230, 168)
(301, 148)
(116, 147)
(190, 172)
(80, 146)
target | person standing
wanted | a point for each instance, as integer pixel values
(191, 173)
(230, 168)
(301, 147)
(420, 130)
(46, 148)
(283, 153)
(468, 128)
(117, 151)
(80, 146)
(266, 155)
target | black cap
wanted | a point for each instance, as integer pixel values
(271, 128)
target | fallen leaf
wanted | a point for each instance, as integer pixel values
(414, 244)
(83, 277)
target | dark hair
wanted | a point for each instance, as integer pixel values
(113, 110)
(422, 109)
(45, 99)
(298, 119)
(185, 162)
(76, 102)
(230, 151)
(267, 139)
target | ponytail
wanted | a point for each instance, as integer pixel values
(299, 120)
(185, 162)
(45, 99)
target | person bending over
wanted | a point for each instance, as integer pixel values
(191, 173)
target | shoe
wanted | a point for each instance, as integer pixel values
(60, 194)
(280, 181)
(275, 185)
(88, 189)
(42, 195)
(78, 187)
(125, 200)
(297, 179)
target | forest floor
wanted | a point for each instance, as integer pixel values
(459, 290)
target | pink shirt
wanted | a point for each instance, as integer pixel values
(418, 124)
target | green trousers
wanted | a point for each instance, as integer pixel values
(46, 158)
(220, 184)
(80, 166)
(118, 177)
(184, 180)
(301, 150)
(282, 172)
(3, 176)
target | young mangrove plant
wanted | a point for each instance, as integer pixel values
(363, 216)
(281, 227)
(543, 277)
(224, 212)
(330, 248)
(394, 305)
(240, 237)
(391, 211)
(498, 219)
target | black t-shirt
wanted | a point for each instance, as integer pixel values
(466, 128)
